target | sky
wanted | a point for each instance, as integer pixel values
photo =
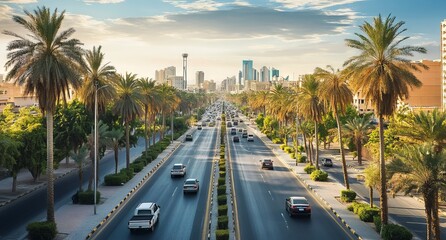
(294, 36)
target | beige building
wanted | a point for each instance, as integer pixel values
(209, 86)
(10, 94)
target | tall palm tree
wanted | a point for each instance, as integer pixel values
(47, 62)
(113, 140)
(149, 94)
(312, 106)
(128, 105)
(382, 74)
(358, 129)
(167, 100)
(420, 167)
(336, 92)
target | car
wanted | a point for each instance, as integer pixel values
(267, 163)
(229, 124)
(189, 137)
(233, 131)
(240, 130)
(178, 169)
(250, 138)
(145, 217)
(191, 185)
(203, 124)
(327, 162)
(244, 135)
(235, 139)
(199, 127)
(297, 206)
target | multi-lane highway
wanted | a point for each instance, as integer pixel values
(261, 195)
(181, 216)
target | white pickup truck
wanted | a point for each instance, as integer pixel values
(145, 217)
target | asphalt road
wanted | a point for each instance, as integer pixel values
(401, 209)
(261, 194)
(181, 216)
(32, 207)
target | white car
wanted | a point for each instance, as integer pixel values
(178, 169)
(191, 185)
(250, 138)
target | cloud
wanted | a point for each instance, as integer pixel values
(315, 4)
(205, 5)
(103, 1)
(18, 1)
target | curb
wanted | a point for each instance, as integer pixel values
(131, 193)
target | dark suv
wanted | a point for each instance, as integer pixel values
(327, 162)
(267, 163)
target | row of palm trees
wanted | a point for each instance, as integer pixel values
(49, 64)
(380, 72)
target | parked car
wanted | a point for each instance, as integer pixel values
(191, 185)
(235, 139)
(145, 217)
(297, 206)
(189, 137)
(178, 169)
(327, 162)
(250, 138)
(267, 163)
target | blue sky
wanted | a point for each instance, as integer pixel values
(294, 36)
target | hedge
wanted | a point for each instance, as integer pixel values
(223, 210)
(222, 199)
(137, 167)
(222, 234)
(115, 179)
(366, 214)
(319, 175)
(301, 158)
(222, 222)
(377, 222)
(222, 174)
(309, 168)
(87, 197)
(221, 181)
(395, 232)
(221, 190)
(282, 146)
(348, 195)
(277, 140)
(288, 149)
(41, 230)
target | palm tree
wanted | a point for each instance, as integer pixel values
(149, 94)
(358, 129)
(80, 157)
(113, 140)
(311, 106)
(167, 100)
(382, 74)
(128, 105)
(29, 60)
(420, 167)
(336, 92)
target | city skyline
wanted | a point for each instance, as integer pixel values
(294, 36)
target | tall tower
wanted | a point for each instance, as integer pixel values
(247, 70)
(443, 62)
(185, 70)
(199, 79)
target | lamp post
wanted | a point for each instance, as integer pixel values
(96, 139)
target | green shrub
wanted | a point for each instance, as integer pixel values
(221, 181)
(292, 155)
(348, 195)
(395, 232)
(41, 230)
(87, 197)
(115, 179)
(301, 158)
(221, 190)
(377, 222)
(276, 140)
(137, 167)
(288, 149)
(222, 222)
(309, 168)
(222, 174)
(358, 207)
(319, 175)
(367, 214)
(282, 146)
(222, 234)
(222, 199)
(223, 210)
(127, 172)
(222, 168)
(350, 207)
(300, 148)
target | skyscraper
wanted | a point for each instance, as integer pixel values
(199, 79)
(443, 62)
(274, 73)
(247, 70)
(185, 70)
(264, 74)
(240, 76)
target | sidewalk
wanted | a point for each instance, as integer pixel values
(326, 191)
(75, 221)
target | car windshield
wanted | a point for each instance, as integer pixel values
(177, 167)
(191, 182)
(266, 161)
(328, 160)
(299, 201)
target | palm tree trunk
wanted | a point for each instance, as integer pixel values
(164, 126)
(341, 150)
(80, 178)
(382, 171)
(146, 132)
(435, 218)
(359, 151)
(371, 196)
(49, 168)
(317, 146)
(127, 144)
(428, 211)
(14, 181)
(116, 149)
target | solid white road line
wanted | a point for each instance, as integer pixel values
(174, 191)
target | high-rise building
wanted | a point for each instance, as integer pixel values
(199, 79)
(255, 73)
(170, 72)
(274, 73)
(159, 76)
(264, 74)
(176, 82)
(443, 63)
(240, 76)
(247, 70)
